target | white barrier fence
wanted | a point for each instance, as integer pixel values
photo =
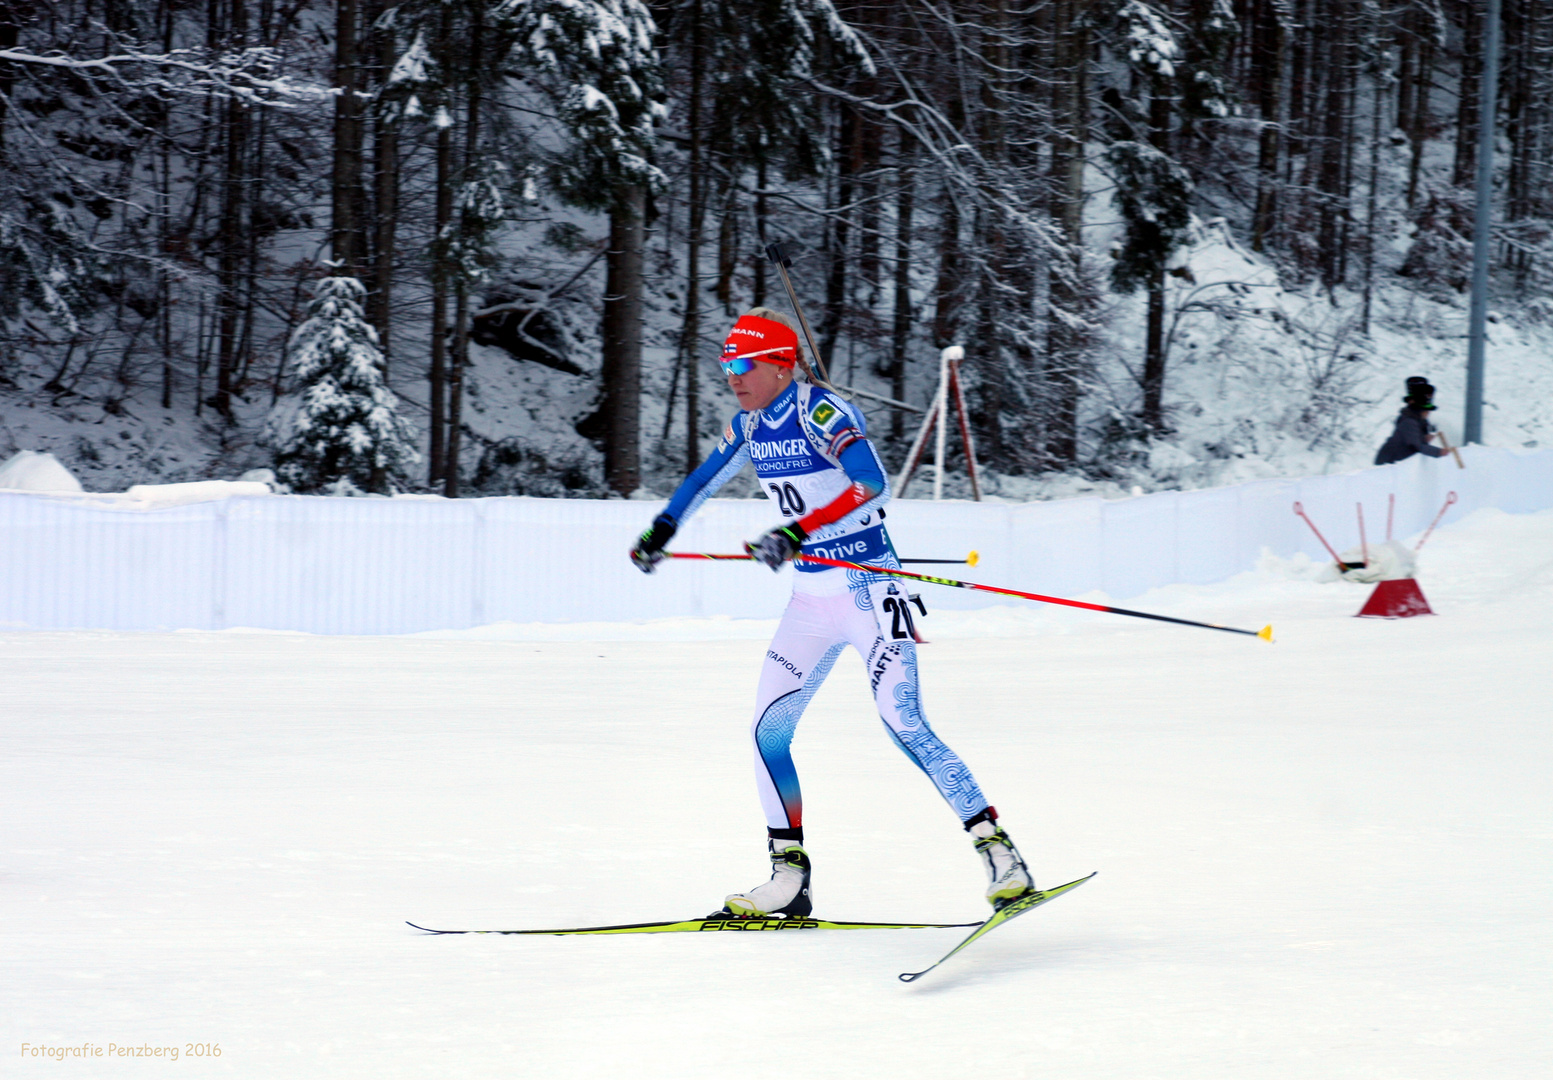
(389, 566)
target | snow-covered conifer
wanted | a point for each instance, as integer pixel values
(467, 245)
(1206, 88)
(606, 74)
(757, 54)
(45, 260)
(342, 422)
(1154, 194)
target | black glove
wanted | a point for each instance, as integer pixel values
(648, 552)
(777, 546)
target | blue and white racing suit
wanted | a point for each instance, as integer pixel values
(810, 452)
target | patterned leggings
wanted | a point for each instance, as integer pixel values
(812, 634)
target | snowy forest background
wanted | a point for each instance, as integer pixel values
(497, 243)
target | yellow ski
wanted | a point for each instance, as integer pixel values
(1012, 910)
(713, 924)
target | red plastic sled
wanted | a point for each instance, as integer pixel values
(1397, 599)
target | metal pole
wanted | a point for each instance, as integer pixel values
(943, 419)
(1472, 428)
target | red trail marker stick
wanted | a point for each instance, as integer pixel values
(1450, 499)
(1266, 633)
(1300, 510)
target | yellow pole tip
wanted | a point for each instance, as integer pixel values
(972, 559)
(1266, 633)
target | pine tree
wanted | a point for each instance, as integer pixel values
(342, 428)
(1153, 191)
(597, 58)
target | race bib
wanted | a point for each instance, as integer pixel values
(896, 611)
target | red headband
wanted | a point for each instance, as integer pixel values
(760, 339)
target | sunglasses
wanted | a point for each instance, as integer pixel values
(743, 365)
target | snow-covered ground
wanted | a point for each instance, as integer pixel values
(1328, 857)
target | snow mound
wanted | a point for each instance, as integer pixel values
(196, 491)
(28, 470)
(1390, 561)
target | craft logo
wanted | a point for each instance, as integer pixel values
(882, 661)
(823, 413)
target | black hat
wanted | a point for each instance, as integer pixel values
(1420, 394)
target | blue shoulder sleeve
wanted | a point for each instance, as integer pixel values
(731, 455)
(862, 465)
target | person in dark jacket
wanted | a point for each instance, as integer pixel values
(1411, 435)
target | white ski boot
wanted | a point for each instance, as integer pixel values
(1007, 876)
(787, 893)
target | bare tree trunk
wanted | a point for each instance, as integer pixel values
(385, 198)
(460, 355)
(1301, 68)
(1528, 52)
(164, 206)
(11, 15)
(901, 336)
(1419, 115)
(1464, 167)
(1371, 222)
(690, 330)
(847, 151)
(1332, 191)
(233, 199)
(1407, 64)
(761, 215)
(440, 279)
(1269, 43)
(1154, 336)
(345, 230)
(951, 273)
(758, 297)
(1070, 125)
(728, 250)
(622, 354)
(868, 265)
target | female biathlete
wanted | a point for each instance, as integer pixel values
(810, 452)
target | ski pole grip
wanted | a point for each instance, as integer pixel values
(775, 253)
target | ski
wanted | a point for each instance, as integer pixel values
(712, 923)
(1012, 910)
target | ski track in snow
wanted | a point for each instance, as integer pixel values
(1329, 857)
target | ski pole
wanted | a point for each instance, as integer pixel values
(1266, 633)
(1450, 498)
(783, 260)
(970, 560)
